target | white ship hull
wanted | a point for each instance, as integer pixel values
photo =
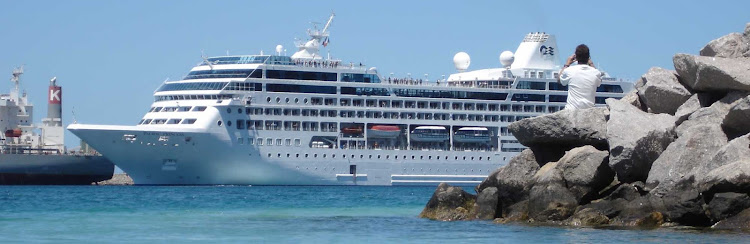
(212, 159)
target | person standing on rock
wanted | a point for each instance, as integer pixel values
(582, 79)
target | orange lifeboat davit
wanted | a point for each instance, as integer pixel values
(384, 131)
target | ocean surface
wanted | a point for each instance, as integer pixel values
(265, 214)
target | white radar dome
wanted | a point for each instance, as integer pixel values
(279, 48)
(461, 60)
(506, 58)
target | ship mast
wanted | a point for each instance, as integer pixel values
(310, 48)
(16, 79)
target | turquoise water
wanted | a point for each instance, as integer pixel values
(271, 214)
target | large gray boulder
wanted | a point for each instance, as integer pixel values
(734, 45)
(486, 205)
(549, 199)
(687, 108)
(712, 73)
(636, 139)
(512, 181)
(737, 121)
(661, 92)
(632, 98)
(559, 187)
(733, 177)
(736, 150)
(727, 204)
(712, 115)
(585, 172)
(739, 222)
(567, 128)
(449, 203)
(682, 159)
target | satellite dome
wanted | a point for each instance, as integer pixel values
(279, 48)
(506, 58)
(461, 60)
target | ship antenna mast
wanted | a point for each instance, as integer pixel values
(16, 79)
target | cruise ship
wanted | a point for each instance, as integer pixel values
(305, 119)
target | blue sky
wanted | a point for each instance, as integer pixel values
(110, 56)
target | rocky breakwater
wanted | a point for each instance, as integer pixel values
(673, 152)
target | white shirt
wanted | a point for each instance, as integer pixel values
(582, 81)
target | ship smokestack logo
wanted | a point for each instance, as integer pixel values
(54, 96)
(547, 50)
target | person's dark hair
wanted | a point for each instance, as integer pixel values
(582, 54)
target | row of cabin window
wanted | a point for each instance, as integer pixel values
(192, 97)
(177, 109)
(286, 125)
(378, 156)
(269, 141)
(167, 121)
(554, 86)
(382, 103)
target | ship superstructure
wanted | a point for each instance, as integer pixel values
(308, 120)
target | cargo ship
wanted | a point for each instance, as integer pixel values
(36, 154)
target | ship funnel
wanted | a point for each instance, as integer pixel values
(537, 51)
(54, 101)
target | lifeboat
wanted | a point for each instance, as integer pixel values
(352, 130)
(472, 135)
(429, 134)
(13, 133)
(384, 131)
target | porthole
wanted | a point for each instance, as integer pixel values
(268, 99)
(464, 157)
(333, 155)
(239, 110)
(305, 101)
(296, 100)
(298, 155)
(370, 156)
(269, 155)
(229, 123)
(218, 123)
(306, 155)
(472, 158)
(412, 157)
(286, 100)
(378, 156)
(315, 155)
(343, 155)
(287, 155)
(229, 110)
(429, 157)
(361, 156)
(387, 156)
(421, 157)
(456, 158)
(278, 99)
(278, 155)
(324, 156)
(480, 158)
